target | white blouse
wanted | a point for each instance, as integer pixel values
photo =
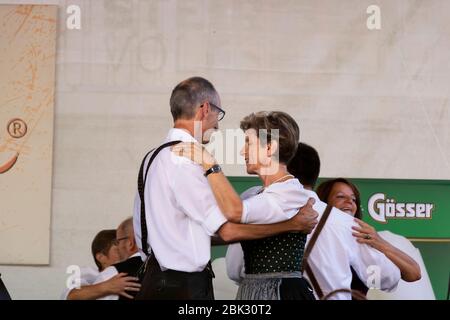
(278, 202)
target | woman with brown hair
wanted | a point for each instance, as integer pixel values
(344, 195)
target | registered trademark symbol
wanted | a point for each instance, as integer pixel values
(17, 128)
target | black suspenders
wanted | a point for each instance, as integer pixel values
(141, 186)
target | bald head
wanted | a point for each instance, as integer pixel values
(125, 237)
(126, 227)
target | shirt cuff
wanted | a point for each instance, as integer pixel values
(244, 216)
(390, 283)
(214, 220)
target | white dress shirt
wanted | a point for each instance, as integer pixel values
(181, 211)
(107, 274)
(334, 252)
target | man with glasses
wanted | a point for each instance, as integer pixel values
(106, 254)
(175, 211)
(129, 265)
(221, 112)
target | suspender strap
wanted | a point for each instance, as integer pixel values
(305, 265)
(314, 281)
(142, 179)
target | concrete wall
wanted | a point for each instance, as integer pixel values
(374, 103)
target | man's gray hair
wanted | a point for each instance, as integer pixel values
(127, 227)
(190, 94)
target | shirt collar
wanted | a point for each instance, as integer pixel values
(137, 254)
(180, 134)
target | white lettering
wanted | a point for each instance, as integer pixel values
(377, 215)
(400, 210)
(74, 19)
(410, 210)
(420, 210)
(374, 278)
(195, 310)
(390, 209)
(74, 280)
(381, 208)
(374, 20)
(429, 209)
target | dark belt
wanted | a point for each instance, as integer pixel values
(208, 270)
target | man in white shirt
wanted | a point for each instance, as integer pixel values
(181, 211)
(130, 263)
(335, 250)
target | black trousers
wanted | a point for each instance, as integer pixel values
(296, 289)
(176, 285)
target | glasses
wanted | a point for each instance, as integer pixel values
(116, 241)
(221, 112)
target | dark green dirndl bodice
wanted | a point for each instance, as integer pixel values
(280, 253)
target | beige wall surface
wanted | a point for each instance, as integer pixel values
(373, 102)
(27, 83)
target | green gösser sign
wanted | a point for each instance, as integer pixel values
(380, 208)
(416, 209)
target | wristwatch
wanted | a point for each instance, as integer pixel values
(214, 169)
